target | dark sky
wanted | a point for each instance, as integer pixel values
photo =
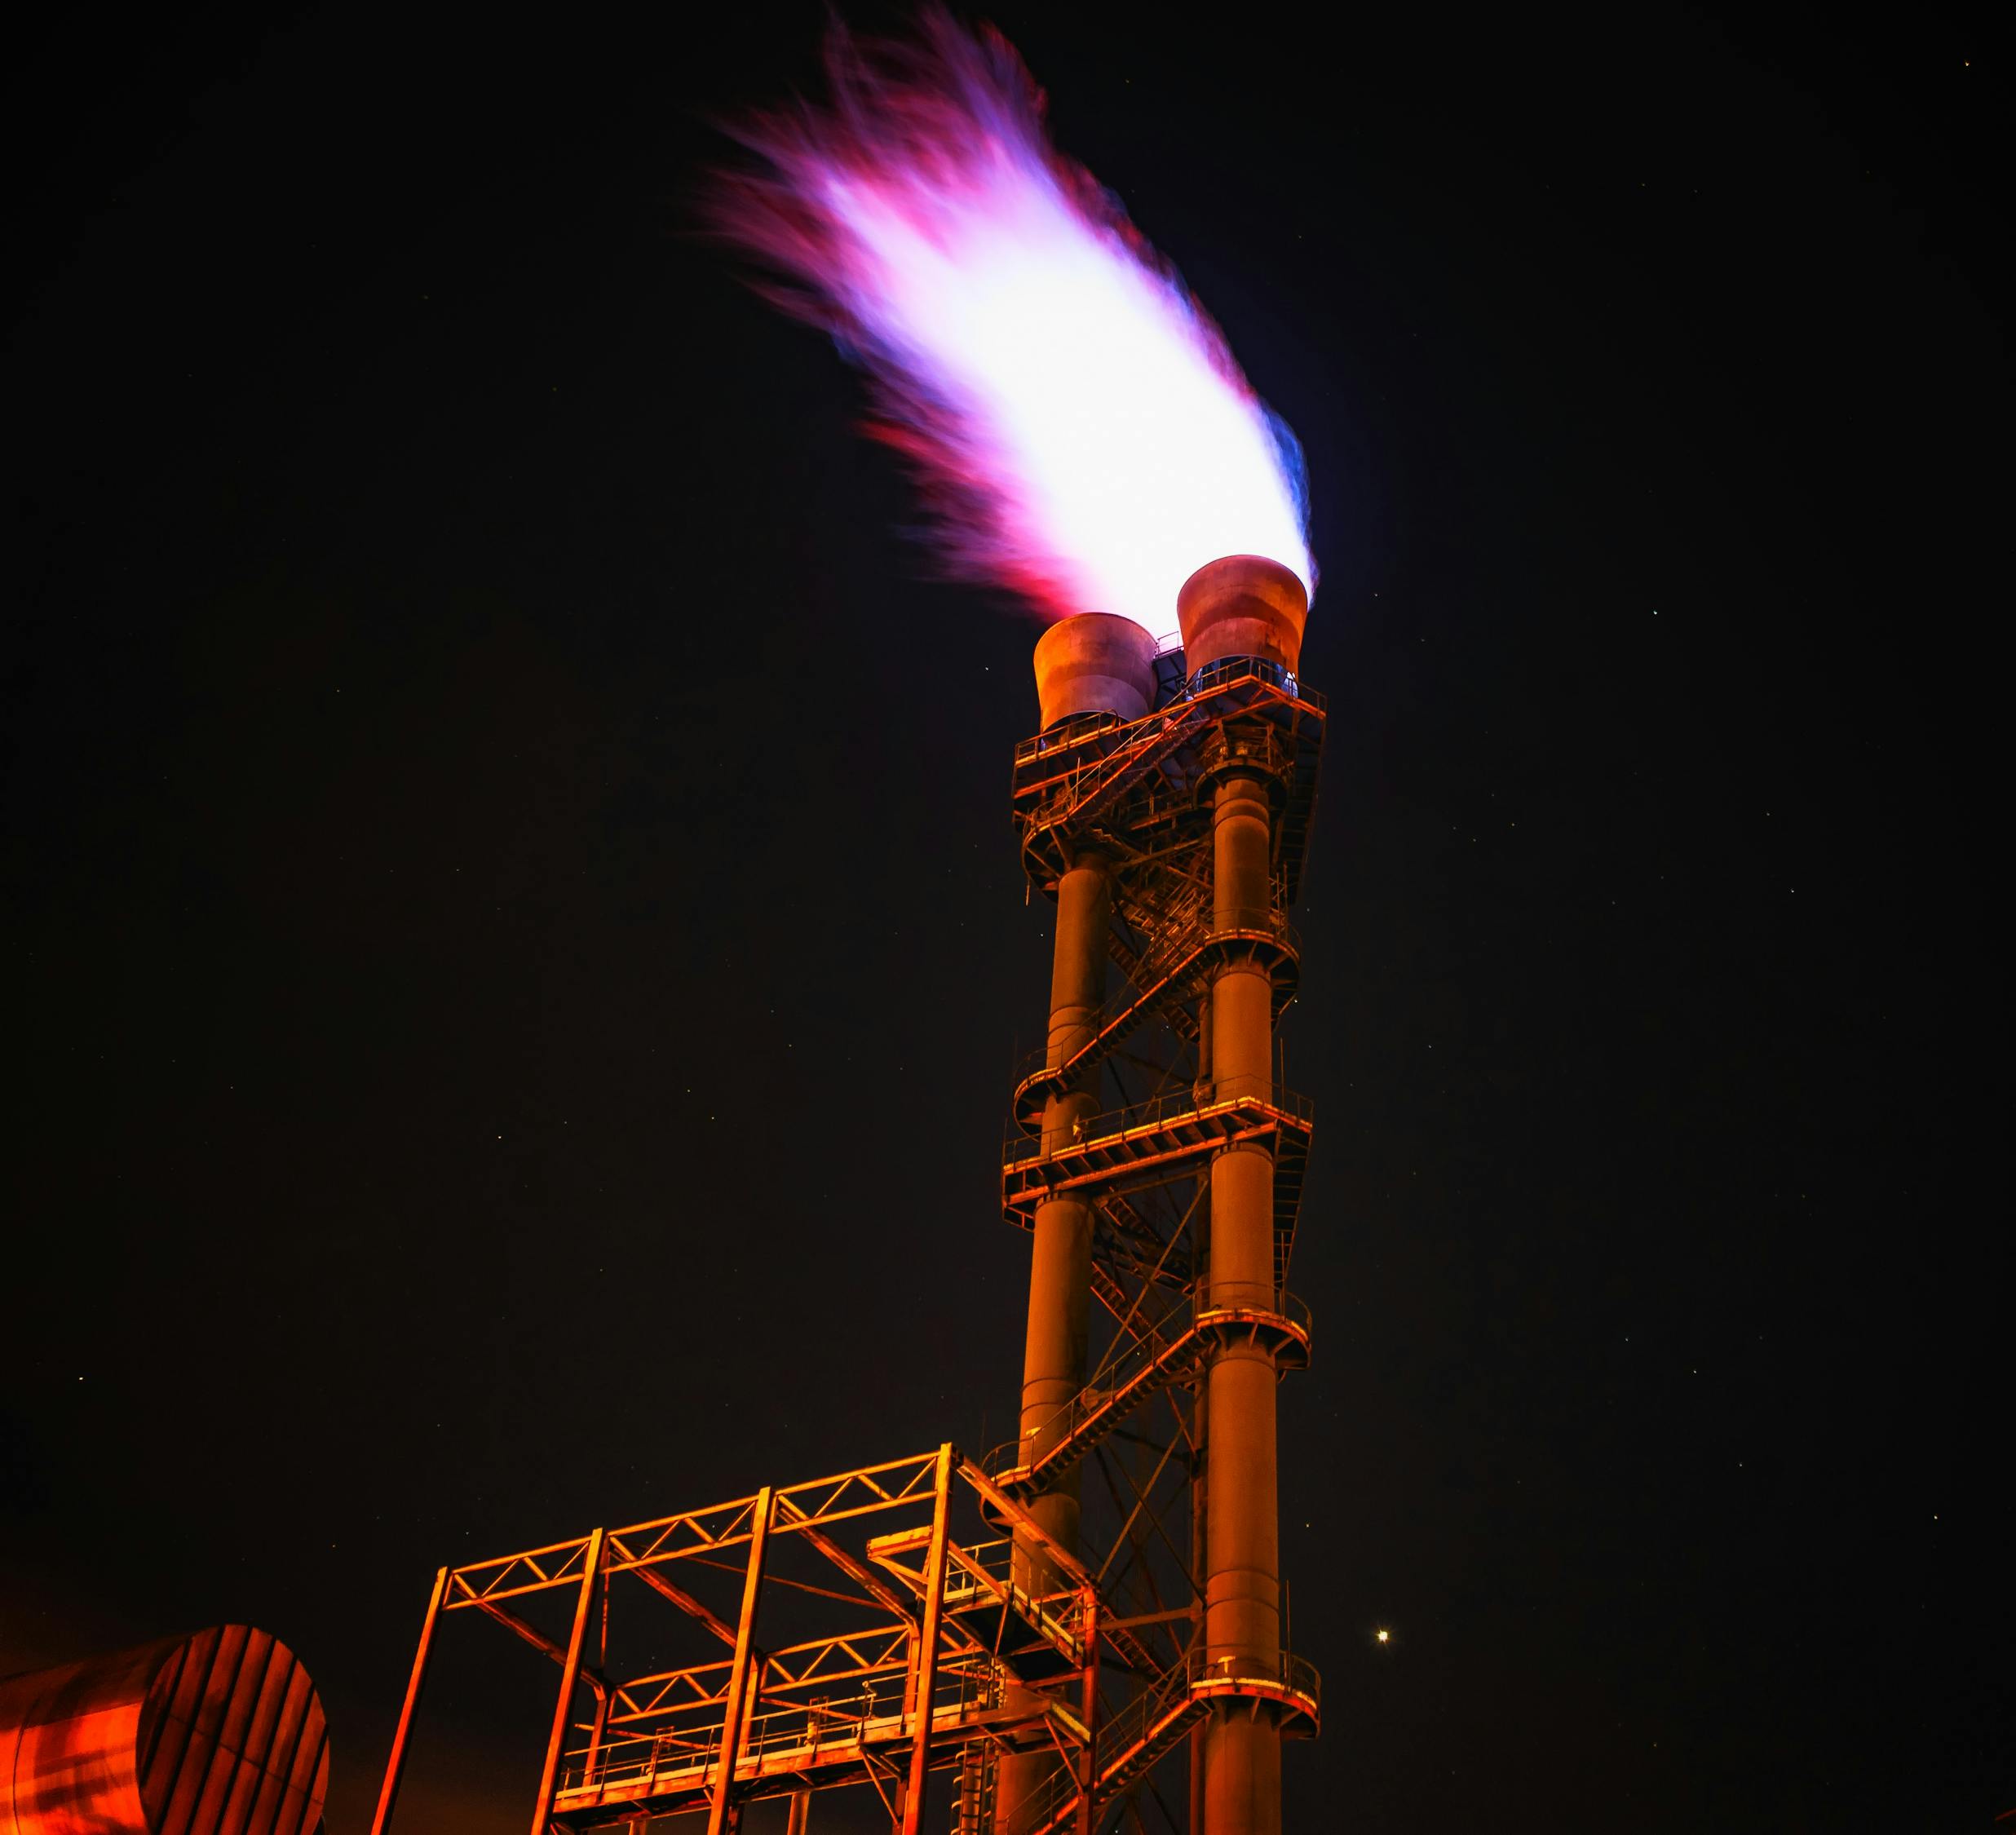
(516, 952)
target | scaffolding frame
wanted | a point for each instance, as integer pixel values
(971, 1658)
(1138, 796)
(1107, 1671)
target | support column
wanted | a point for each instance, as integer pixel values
(1199, 1540)
(1060, 1273)
(1242, 1750)
(723, 1809)
(1088, 1709)
(570, 1675)
(396, 1764)
(1060, 1264)
(930, 1630)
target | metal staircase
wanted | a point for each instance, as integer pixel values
(1156, 1141)
(1259, 1315)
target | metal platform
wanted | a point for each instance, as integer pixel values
(1137, 800)
(1178, 970)
(1167, 1138)
(1226, 1313)
(1134, 787)
(956, 1650)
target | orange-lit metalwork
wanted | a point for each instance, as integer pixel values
(1158, 1163)
(929, 1649)
(217, 1734)
(1085, 1626)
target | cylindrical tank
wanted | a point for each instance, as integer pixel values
(1242, 1619)
(220, 1733)
(1094, 663)
(1060, 1278)
(1242, 605)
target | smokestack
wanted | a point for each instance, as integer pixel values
(1094, 663)
(1112, 849)
(1244, 605)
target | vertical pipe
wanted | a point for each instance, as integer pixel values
(928, 1633)
(801, 1816)
(1242, 1761)
(570, 1675)
(395, 1762)
(1200, 1556)
(721, 1813)
(597, 1734)
(600, 1731)
(1200, 1473)
(1060, 1273)
(1060, 1265)
(1089, 1708)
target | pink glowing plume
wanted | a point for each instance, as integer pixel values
(1078, 423)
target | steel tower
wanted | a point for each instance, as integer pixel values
(1165, 806)
(1033, 1642)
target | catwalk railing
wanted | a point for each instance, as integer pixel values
(1213, 678)
(958, 1637)
(1171, 1136)
(1129, 1743)
(1121, 1137)
(1226, 1311)
(1178, 965)
(1134, 785)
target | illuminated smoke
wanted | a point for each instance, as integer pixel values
(1079, 426)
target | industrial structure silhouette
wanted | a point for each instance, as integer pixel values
(1085, 1627)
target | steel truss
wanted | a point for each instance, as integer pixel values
(1138, 796)
(945, 1660)
(945, 1647)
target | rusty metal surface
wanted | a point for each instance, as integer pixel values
(1242, 605)
(1094, 663)
(946, 1667)
(1028, 1641)
(1189, 1155)
(220, 1733)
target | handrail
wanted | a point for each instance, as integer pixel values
(1209, 680)
(682, 1757)
(1226, 1092)
(1196, 1670)
(1215, 1296)
(997, 1560)
(1229, 670)
(685, 1748)
(1296, 1674)
(1175, 1701)
(1166, 953)
(1125, 1380)
(1124, 1729)
(1067, 732)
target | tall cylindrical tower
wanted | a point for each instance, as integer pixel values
(1099, 668)
(1239, 607)
(1164, 807)
(1060, 1267)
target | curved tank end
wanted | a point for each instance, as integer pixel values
(1094, 663)
(220, 1729)
(1242, 605)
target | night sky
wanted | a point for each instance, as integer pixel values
(516, 952)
